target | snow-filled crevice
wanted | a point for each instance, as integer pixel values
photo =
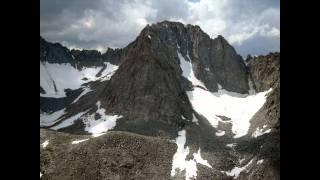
(85, 91)
(187, 71)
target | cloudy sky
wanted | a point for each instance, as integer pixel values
(251, 26)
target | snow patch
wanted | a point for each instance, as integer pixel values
(79, 141)
(49, 119)
(194, 119)
(68, 122)
(45, 144)
(241, 160)
(220, 133)
(105, 123)
(236, 170)
(232, 145)
(149, 36)
(260, 161)
(97, 135)
(85, 91)
(55, 78)
(239, 107)
(259, 132)
(200, 160)
(187, 71)
(179, 161)
(101, 125)
(108, 72)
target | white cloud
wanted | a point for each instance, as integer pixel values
(115, 23)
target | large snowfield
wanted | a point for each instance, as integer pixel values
(55, 78)
(239, 107)
(222, 103)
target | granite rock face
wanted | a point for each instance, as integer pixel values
(265, 71)
(214, 61)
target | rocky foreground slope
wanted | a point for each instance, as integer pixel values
(175, 104)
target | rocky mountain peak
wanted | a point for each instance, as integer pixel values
(175, 82)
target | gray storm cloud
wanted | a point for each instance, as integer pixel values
(251, 26)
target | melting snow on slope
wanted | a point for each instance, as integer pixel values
(55, 78)
(236, 170)
(96, 127)
(108, 72)
(109, 69)
(194, 119)
(220, 133)
(68, 122)
(239, 107)
(62, 75)
(260, 161)
(49, 119)
(260, 132)
(105, 123)
(179, 161)
(85, 91)
(187, 71)
(97, 135)
(45, 144)
(79, 141)
(200, 160)
(232, 145)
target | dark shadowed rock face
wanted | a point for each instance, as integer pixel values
(214, 61)
(56, 53)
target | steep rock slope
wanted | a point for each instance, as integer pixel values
(263, 139)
